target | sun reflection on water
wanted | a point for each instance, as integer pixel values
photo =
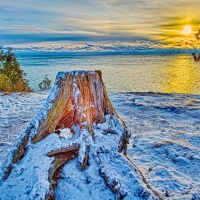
(123, 73)
(182, 76)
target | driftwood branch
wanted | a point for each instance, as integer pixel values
(86, 158)
(61, 157)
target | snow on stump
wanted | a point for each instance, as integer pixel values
(75, 148)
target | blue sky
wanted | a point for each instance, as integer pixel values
(100, 25)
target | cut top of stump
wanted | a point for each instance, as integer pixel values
(78, 97)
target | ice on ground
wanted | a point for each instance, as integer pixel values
(165, 142)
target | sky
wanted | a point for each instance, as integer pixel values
(100, 25)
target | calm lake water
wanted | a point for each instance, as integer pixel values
(122, 73)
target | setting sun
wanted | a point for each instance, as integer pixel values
(187, 30)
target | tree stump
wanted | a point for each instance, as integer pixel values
(76, 145)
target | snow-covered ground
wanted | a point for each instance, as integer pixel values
(165, 142)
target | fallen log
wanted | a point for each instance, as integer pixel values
(76, 145)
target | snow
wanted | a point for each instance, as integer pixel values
(76, 92)
(165, 142)
(65, 133)
(164, 145)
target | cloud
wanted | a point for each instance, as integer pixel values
(100, 21)
(65, 37)
(139, 46)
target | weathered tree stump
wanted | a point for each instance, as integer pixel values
(76, 145)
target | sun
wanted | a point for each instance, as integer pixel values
(187, 30)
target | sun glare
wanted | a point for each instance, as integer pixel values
(187, 30)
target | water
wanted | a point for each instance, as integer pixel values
(122, 73)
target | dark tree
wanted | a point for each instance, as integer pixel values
(196, 57)
(45, 84)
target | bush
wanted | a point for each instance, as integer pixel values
(45, 84)
(11, 76)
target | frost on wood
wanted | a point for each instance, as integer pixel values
(82, 100)
(76, 136)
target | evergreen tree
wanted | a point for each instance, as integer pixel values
(11, 76)
(45, 84)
